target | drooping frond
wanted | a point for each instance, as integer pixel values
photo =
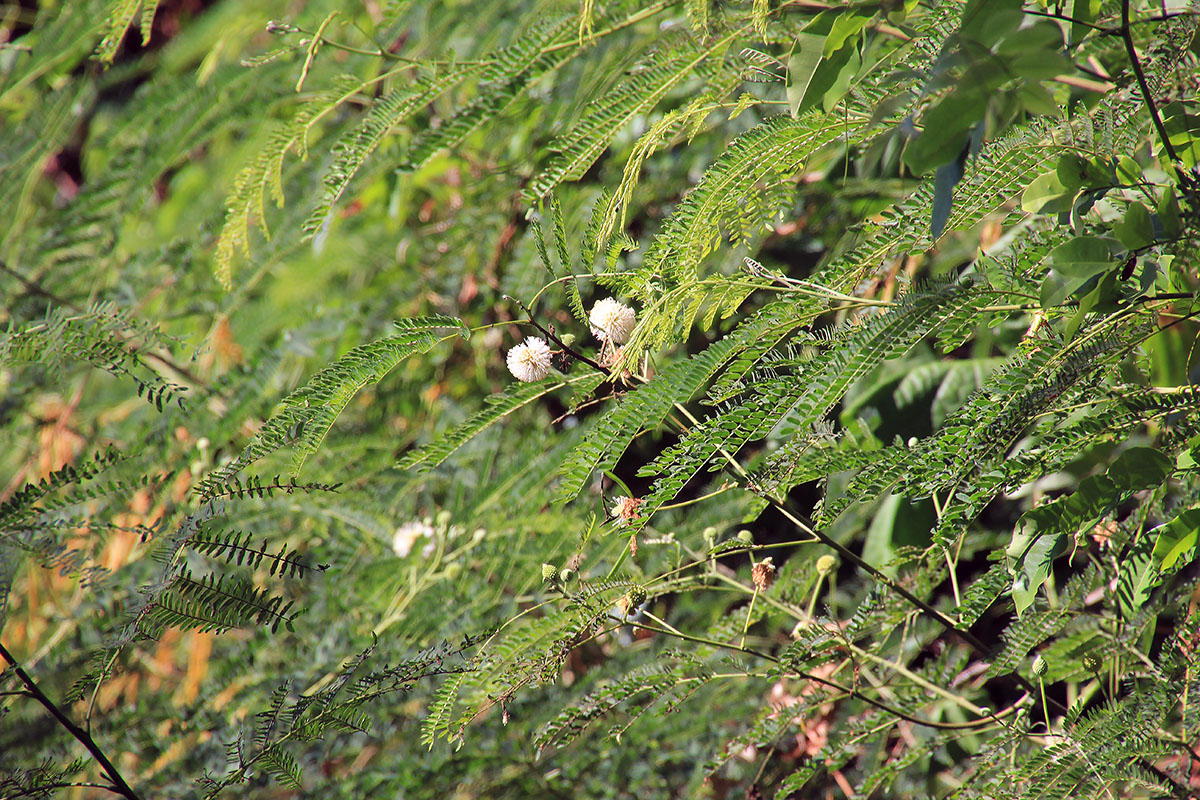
(263, 175)
(728, 197)
(233, 548)
(499, 406)
(643, 686)
(307, 414)
(609, 214)
(119, 18)
(509, 73)
(23, 502)
(642, 89)
(105, 337)
(214, 603)
(644, 408)
(352, 149)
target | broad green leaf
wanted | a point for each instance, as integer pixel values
(1169, 214)
(1095, 496)
(1177, 538)
(840, 72)
(1082, 13)
(1047, 194)
(1076, 172)
(1038, 99)
(1104, 297)
(1183, 131)
(945, 179)
(1038, 57)
(946, 125)
(1042, 533)
(1035, 569)
(806, 56)
(824, 60)
(1136, 576)
(846, 26)
(1136, 229)
(1081, 257)
(897, 523)
(1140, 468)
(1128, 171)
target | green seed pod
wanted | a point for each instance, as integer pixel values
(549, 573)
(1091, 663)
(1040, 666)
(826, 564)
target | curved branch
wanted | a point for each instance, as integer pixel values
(119, 785)
(1127, 37)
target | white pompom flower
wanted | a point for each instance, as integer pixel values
(408, 533)
(612, 321)
(625, 510)
(530, 360)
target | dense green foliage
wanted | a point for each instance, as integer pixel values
(892, 491)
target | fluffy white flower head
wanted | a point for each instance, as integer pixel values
(612, 321)
(626, 510)
(530, 361)
(408, 533)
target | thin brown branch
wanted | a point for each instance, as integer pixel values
(567, 348)
(119, 785)
(1127, 36)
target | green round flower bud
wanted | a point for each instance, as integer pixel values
(1040, 666)
(826, 564)
(549, 572)
(745, 536)
(443, 518)
(453, 571)
(631, 599)
(566, 575)
(1091, 662)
